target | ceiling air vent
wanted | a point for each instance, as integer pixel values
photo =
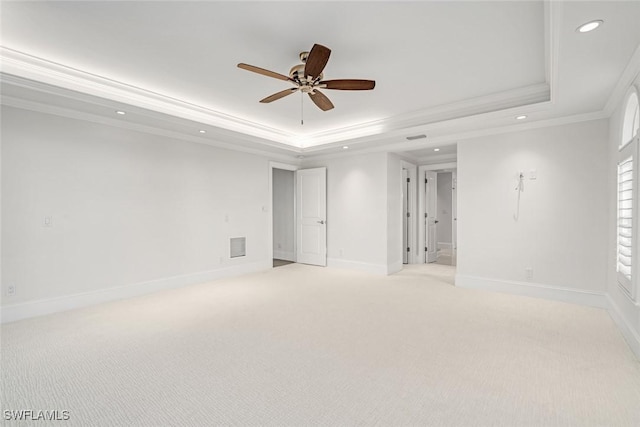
(238, 247)
(414, 137)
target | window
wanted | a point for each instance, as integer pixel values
(625, 222)
(627, 208)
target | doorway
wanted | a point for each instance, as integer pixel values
(445, 253)
(438, 211)
(409, 213)
(297, 221)
(284, 217)
(405, 217)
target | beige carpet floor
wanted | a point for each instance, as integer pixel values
(306, 346)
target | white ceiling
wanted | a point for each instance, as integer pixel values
(434, 62)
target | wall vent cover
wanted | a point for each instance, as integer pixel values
(238, 247)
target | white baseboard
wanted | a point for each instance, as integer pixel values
(444, 245)
(380, 269)
(557, 293)
(284, 255)
(11, 313)
(537, 290)
(629, 334)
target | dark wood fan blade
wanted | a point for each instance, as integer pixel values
(263, 72)
(317, 60)
(279, 95)
(321, 100)
(349, 84)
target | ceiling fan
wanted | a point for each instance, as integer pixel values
(307, 78)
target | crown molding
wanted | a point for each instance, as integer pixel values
(629, 75)
(13, 62)
(558, 121)
(232, 140)
(33, 72)
(455, 137)
(393, 141)
(91, 101)
(553, 11)
(524, 96)
(396, 140)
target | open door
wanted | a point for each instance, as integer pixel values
(405, 216)
(430, 216)
(311, 196)
(454, 219)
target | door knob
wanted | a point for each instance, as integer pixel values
(321, 222)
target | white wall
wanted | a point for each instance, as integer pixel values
(445, 185)
(127, 208)
(283, 214)
(561, 232)
(356, 211)
(625, 311)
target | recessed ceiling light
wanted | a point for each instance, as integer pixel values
(203, 131)
(346, 147)
(436, 149)
(589, 26)
(522, 117)
(122, 113)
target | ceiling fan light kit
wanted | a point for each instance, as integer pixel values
(308, 78)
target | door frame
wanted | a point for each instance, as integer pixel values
(288, 167)
(442, 167)
(412, 207)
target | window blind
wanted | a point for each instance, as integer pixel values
(625, 222)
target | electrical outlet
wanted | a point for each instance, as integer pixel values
(48, 221)
(11, 290)
(528, 273)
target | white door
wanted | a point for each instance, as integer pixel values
(312, 216)
(454, 218)
(431, 219)
(405, 218)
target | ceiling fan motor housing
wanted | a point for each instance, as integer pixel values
(297, 74)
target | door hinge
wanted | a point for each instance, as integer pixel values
(426, 215)
(408, 214)
(426, 249)
(408, 249)
(408, 179)
(426, 181)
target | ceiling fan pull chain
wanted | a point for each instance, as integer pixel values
(301, 109)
